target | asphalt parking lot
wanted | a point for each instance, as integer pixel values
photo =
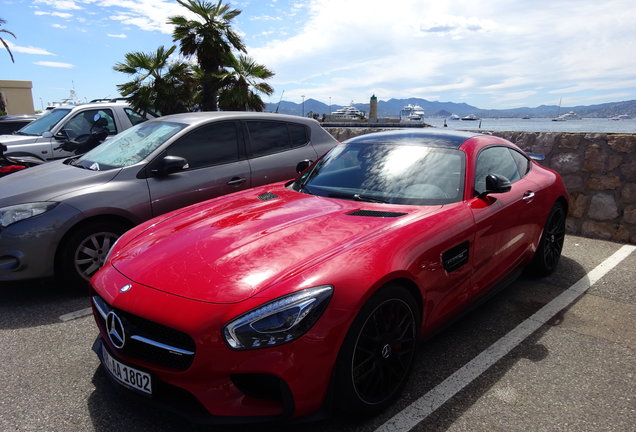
(551, 354)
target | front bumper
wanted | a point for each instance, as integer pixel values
(28, 247)
(288, 381)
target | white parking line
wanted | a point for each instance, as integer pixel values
(77, 314)
(409, 417)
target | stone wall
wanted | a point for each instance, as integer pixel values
(599, 171)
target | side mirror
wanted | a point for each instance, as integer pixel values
(303, 165)
(170, 165)
(496, 183)
(47, 134)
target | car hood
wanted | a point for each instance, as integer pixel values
(48, 181)
(231, 248)
(10, 140)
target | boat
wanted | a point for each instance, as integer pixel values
(348, 113)
(570, 115)
(619, 117)
(525, 117)
(453, 117)
(412, 113)
(470, 117)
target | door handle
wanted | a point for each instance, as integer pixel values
(527, 196)
(236, 181)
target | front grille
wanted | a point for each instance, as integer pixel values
(375, 213)
(149, 341)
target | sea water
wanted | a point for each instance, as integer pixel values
(601, 125)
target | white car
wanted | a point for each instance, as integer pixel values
(43, 137)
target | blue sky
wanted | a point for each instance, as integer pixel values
(490, 54)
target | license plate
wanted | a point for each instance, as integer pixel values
(126, 375)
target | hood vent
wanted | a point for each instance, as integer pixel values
(375, 213)
(267, 196)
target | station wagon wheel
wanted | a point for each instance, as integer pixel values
(83, 252)
(378, 352)
(551, 242)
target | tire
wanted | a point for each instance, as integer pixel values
(84, 250)
(378, 352)
(548, 253)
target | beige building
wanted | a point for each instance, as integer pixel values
(16, 96)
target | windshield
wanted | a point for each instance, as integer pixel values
(44, 123)
(387, 173)
(130, 146)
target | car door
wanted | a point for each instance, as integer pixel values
(216, 165)
(275, 148)
(504, 222)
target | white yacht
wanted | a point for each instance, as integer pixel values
(412, 113)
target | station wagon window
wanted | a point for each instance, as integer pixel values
(496, 160)
(134, 117)
(212, 144)
(267, 137)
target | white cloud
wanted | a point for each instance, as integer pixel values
(60, 4)
(64, 15)
(493, 51)
(54, 64)
(59, 26)
(120, 36)
(28, 49)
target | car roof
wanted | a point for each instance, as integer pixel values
(205, 116)
(428, 136)
(15, 117)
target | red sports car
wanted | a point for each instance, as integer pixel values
(271, 302)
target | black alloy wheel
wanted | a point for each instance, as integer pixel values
(378, 353)
(551, 242)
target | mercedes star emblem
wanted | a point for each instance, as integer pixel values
(115, 330)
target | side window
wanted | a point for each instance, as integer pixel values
(212, 144)
(89, 121)
(523, 164)
(299, 134)
(134, 117)
(267, 137)
(494, 160)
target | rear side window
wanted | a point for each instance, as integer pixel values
(267, 137)
(212, 144)
(135, 118)
(523, 164)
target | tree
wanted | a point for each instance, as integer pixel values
(2, 22)
(158, 85)
(211, 39)
(241, 83)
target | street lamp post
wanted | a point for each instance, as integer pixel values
(303, 96)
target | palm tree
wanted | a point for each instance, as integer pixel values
(241, 84)
(158, 85)
(2, 22)
(211, 39)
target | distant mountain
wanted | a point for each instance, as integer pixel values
(392, 107)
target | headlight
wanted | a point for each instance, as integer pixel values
(279, 321)
(16, 213)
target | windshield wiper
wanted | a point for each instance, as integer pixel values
(358, 197)
(367, 198)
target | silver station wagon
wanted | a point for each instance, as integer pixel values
(61, 218)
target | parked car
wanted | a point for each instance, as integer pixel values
(11, 123)
(63, 216)
(271, 302)
(45, 137)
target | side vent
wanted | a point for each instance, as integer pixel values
(267, 196)
(374, 213)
